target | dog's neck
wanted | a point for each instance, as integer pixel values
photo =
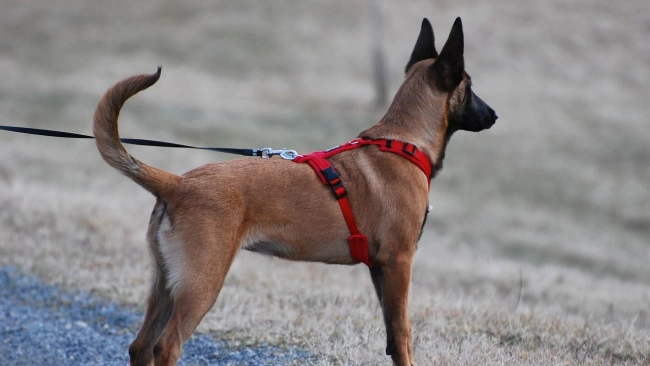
(414, 117)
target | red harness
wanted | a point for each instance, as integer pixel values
(322, 167)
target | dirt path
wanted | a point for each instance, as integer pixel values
(44, 325)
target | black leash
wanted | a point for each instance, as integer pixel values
(41, 132)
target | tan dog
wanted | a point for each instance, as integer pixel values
(202, 218)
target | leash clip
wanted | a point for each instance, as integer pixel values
(267, 152)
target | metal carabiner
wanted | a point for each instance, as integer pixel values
(267, 152)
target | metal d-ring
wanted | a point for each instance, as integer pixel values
(288, 154)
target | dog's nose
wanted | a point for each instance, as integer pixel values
(495, 116)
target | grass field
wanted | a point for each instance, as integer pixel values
(537, 251)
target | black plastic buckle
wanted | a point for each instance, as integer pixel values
(331, 176)
(335, 183)
(407, 147)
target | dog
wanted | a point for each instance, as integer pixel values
(201, 219)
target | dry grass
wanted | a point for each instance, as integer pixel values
(537, 249)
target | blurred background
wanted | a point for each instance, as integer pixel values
(556, 194)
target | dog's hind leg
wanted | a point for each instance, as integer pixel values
(159, 305)
(377, 275)
(197, 290)
(159, 310)
(190, 306)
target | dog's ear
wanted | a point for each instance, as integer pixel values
(450, 65)
(425, 47)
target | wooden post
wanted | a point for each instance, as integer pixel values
(378, 54)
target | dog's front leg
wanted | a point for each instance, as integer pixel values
(396, 274)
(377, 275)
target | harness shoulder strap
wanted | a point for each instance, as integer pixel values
(406, 150)
(357, 241)
(325, 171)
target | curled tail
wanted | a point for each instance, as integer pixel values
(156, 181)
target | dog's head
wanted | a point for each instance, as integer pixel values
(445, 72)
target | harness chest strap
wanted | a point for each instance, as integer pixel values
(318, 161)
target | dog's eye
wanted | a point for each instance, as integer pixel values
(464, 96)
(467, 92)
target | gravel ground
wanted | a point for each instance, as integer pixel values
(43, 325)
